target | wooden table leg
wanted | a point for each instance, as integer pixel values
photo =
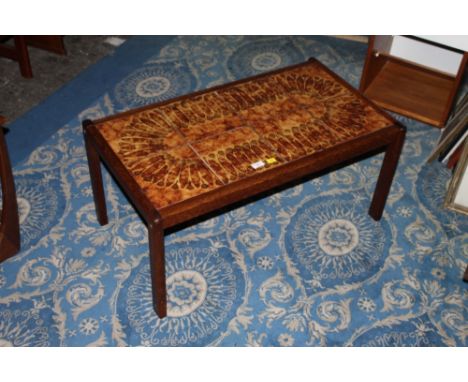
(9, 223)
(94, 164)
(465, 276)
(157, 266)
(387, 172)
(155, 226)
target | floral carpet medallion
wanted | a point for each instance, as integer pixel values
(153, 83)
(41, 201)
(332, 240)
(205, 287)
(305, 266)
(261, 56)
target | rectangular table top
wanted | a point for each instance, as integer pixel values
(189, 146)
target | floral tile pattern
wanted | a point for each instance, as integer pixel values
(301, 111)
(233, 155)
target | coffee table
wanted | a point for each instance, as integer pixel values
(183, 158)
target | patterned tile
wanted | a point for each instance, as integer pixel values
(139, 134)
(173, 175)
(283, 116)
(236, 154)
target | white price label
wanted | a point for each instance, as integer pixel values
(258, 165)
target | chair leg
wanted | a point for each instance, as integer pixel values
(23, 56)
(18, 52)
(465, 276)
(9, 223)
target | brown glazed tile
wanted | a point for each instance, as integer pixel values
(212, 127)
(173, 175)
(156, 155)
(231, 154)
(259, 118)
(137, 134)
(295, 142)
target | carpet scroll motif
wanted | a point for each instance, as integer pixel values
(303, 267)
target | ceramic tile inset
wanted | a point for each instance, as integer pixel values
(236, 154)
(211, 127)
(139, 135)
(170, 176)
(184, 148)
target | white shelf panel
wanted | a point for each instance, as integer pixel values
(457, 42)
(426, 54)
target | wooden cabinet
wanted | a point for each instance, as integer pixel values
(413, 76)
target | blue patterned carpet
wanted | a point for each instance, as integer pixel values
(304, 267)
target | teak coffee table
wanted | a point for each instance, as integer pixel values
(183, 158)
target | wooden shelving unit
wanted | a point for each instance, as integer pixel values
(407, 87)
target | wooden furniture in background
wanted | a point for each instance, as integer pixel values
(9, 219)
(410, 88)
(18, 51)
(52, 44)
(184, 158)
(457, 193)
(454, 133)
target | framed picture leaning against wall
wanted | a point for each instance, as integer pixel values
(457, 193)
